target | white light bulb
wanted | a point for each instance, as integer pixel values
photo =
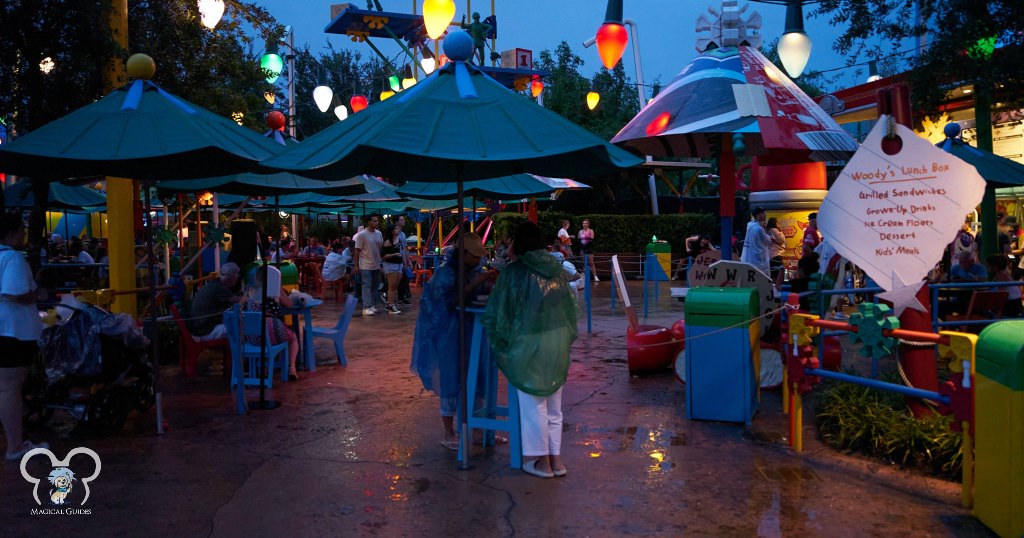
(210, 12)
(428, 65)
(322, 96)
(341, 112)
(794, 51)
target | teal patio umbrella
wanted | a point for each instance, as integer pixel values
(62, 197)
(252, 184)
(457, 124)
(138, 131)
(516, 185)
(997, 172)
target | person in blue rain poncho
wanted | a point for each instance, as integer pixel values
(531, 323)
(435, 348)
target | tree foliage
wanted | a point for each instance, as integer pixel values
(565, 92)
(953, 28)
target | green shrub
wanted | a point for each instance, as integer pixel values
(877, 423)
(617, 233)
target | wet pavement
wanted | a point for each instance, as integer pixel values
(356, 450)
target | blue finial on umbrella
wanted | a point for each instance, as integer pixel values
(458, 46)
(951, 130)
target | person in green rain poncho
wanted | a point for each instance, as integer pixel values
(531, 324)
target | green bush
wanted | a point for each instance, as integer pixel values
(877, 423)
(617, 233)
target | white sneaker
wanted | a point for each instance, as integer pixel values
(392, 309)
(369, 311)
(596, 279)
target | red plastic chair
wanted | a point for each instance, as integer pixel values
(189, 349)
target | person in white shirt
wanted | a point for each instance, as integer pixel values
(20, 328)
(564, 240)
(756, 242)
(335, 265)
(367, 260)
(575, 277)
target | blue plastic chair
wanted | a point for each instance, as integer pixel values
(337, 333)
(239, 332)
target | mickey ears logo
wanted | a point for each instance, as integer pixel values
(61, 477)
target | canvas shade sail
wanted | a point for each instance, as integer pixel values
(736, 90)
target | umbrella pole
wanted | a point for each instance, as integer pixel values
(263, 404)
(153, 308)
(463, 366)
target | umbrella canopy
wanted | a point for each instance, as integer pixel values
(564, 184)
(995, 170)
(61, 197)
(138, 131)
(269, 184)
(457, 123)
(736, 90)
(516, 185)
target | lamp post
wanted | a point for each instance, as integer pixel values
(271, 62)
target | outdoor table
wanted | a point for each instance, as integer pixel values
(304, 311)
(72, 272)
(483, 370)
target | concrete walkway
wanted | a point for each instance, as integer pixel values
(355, 451)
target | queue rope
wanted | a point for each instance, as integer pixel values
(688, 339)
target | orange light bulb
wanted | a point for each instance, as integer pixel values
(611, 43)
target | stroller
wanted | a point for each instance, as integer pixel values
(92, 364)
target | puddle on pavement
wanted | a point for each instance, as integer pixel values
(401, 489)
(654, 443)
(765, 437)
(787, 474)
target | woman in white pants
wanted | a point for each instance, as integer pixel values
(531, 324)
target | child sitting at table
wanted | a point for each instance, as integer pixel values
(276, 328)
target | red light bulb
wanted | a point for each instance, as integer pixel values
(611, 43)
(658, 124)
(358, 103)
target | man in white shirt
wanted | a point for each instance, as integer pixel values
(367, 260)
(756, 242)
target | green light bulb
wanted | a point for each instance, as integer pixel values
(272, 65)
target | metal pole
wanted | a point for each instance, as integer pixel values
(460, 289)
(636, 62)
(291, 82)
(215, 221)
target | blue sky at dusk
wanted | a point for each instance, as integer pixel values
(666, 30)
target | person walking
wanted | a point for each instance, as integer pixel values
(391, 255)
(776, 247)
(367, 259)
(812, 237)
(756, 242)
(531, 323)
(20, 328)
(586, 237)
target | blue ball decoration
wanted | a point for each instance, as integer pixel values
(951, 130)
(458, 46)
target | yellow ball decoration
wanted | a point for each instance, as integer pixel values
(141, 66)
